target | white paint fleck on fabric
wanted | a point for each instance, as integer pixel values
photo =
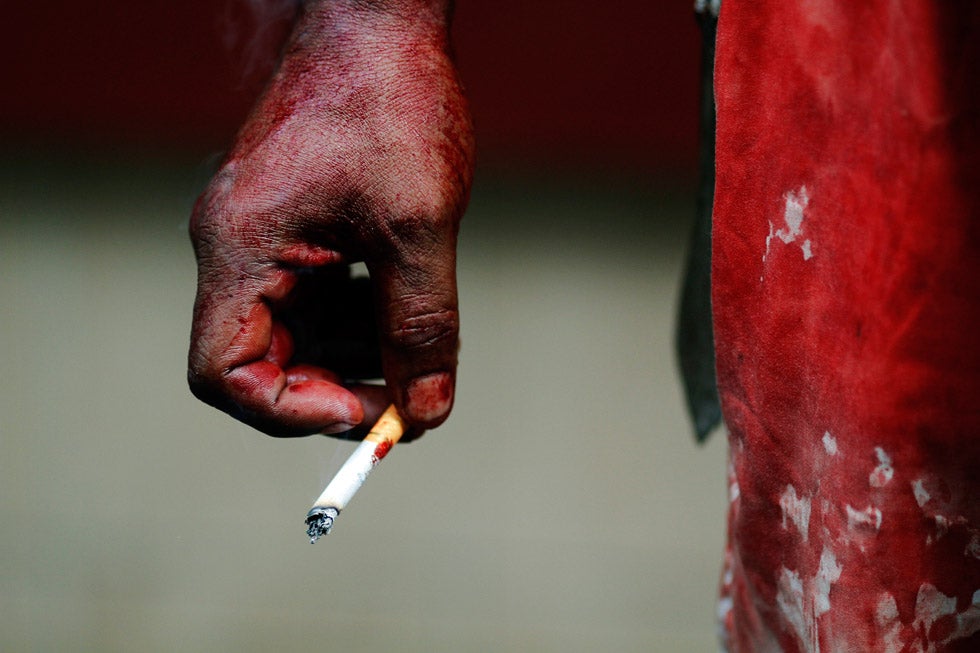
(921, 495)
(807, 250)
(725, 605)
(772, 234)
(870, 517)
(882, 474)
(830, 444)
(726, 602)
(802, 602)
(793, 215)
(796, 509)
(796, 202)
(889, 625)
(789, 598)
(828, 574)
(968, 621)
(931, 605)
(734, 491)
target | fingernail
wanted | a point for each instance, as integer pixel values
(335, 429)
(428, 398)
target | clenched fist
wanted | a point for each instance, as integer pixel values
(360, 149)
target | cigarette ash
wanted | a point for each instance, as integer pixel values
(319, 522)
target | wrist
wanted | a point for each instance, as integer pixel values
(400, 18)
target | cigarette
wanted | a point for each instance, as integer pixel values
(345, 484)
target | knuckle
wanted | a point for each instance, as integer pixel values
(229, 217)
(206, 378)
(210, 203)
(433, 201)
(203, 384)
(408, 223)
(204, 375)
(423, 212)
(201, 229)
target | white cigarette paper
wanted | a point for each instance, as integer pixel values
(345, 484)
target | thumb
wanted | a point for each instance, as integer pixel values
(419, 331)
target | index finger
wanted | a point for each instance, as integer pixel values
(234, 365)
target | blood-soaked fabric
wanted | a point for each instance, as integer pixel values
(846, 294)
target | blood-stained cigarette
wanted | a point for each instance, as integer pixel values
(385, 433)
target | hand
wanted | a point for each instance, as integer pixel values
(360, 149)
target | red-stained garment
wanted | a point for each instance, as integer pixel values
(846, 297)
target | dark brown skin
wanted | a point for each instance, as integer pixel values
(360, 149)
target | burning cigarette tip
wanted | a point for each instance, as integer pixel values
(319, 522)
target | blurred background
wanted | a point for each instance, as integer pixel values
(564, 506)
